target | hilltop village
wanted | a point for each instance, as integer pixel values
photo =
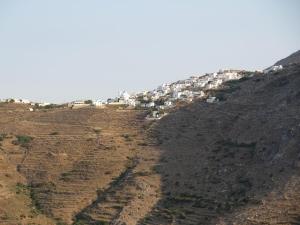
(164, 97)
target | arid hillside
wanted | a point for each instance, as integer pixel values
(236, 161)
(68, 166)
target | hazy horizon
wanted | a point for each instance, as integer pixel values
(60, 51)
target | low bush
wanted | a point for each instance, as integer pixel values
(2, 136)
(80, 222)
(60, 223)
(22, 140)
(22, 189)
(127, 137)
(230, 143)
(65, 176)
(142, 144)
(97, 130)
(143, 173)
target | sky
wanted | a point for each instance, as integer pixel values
(63, 50)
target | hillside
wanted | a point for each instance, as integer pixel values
(235, 161)
(65, 161)
(293, 58)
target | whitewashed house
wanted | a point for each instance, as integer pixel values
(124, 96)
(150, 105)
(17, 101)
(26, 101)
(99, 104)
(77, 104)
(21, 101)
(273, 68)
(118, 102)
(177, 94)
(44, 104)
(161, 107)
(211, 100)
(133, 102)
(168, 103)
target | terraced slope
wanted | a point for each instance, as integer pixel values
(16, 205)
(76, 155)
(236, 161)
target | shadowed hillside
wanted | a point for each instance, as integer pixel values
(236, 161)
(293, 58)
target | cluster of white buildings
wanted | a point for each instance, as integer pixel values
(273, 69)
(16, 100)
(24, 101)
(167, 95)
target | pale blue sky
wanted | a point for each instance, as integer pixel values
(63, 50)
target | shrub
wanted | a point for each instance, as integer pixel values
(80, 222)
(60, 223)
(54, 133)
(66, 176)
(142, 144)
(22, 189)
(220, 96)
(97, 130)
(88, 102)
(2, 136)
(244, 180)
(22, 140)
(230, 143)
(126, 137)
(143, 173)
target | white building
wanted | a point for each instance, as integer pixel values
(133, 102)
(211, 100)
(177, 94)
(150, 104)
(273, 68)
(124, 95)
(21, 101)
(99, 103)
(78, 104)
(168, 103)
(26, 101)
(17, 101)
(44, 104)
